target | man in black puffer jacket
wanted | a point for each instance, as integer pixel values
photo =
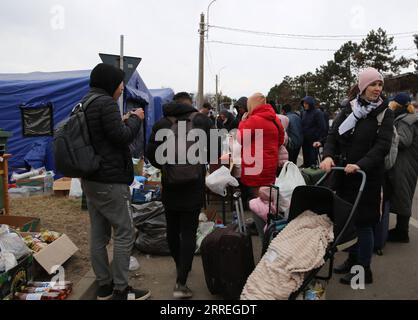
(182, 202)
(107, 190)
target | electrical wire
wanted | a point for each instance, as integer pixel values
(311, 37)
(280, 47)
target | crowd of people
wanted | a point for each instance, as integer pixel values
(355, 141)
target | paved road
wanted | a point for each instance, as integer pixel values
(395, 273)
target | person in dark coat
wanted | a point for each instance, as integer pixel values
(241, 107)
(207, 110)
(313, 127)
(323, 139)
(182, 204)
(403, 175)
(294, 131)
(107, 190)
(357, 143)
(225, 120)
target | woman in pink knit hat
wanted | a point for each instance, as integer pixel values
(357, 142)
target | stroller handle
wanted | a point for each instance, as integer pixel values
(355, 205)
(363, 175)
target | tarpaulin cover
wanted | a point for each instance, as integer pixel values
(64, 90)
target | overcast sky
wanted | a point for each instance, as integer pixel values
(56, 35)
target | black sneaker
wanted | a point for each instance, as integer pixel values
(182, 292)
(131, 294)
(346, 266)
(105, 292)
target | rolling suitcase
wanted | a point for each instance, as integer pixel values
(227, 257)
(381, 230)
(275, 222)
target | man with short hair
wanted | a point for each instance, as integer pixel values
(207, 110)
(182, 201)
(107, 190)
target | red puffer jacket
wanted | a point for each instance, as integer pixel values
(259, 168)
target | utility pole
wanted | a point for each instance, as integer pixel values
(121, 67)
(217, 95)
(201, 61)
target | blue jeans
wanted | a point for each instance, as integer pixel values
(363, 250)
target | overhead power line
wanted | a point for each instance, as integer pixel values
(311, 37)
(280, 47)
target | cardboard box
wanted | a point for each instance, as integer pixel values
(46, 183)
(24, 224)
(13, 279)
(62, 187)
(55, 254)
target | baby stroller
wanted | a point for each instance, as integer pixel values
(323, 200)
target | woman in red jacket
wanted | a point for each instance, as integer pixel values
(260, 134)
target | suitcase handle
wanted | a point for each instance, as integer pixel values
(270, 215)
(240, 212)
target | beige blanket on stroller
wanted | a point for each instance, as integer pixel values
(299, 248)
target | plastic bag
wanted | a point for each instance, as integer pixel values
(150, 221)
(219, 180)
(33, 173)
(7, 261)
(146, 212)
(4, 229)
(133, 264)
(153, 240)
(75, 189)
(204, 229)
(13, 243)
(289, 178)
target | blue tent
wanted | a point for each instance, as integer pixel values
(64, 90)
(161, 97)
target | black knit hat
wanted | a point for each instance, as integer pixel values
(106, 77)
(241, 103)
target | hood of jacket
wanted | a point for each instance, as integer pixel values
(265, 111)
(310, 101)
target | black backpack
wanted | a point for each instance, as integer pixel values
(182, 174)
(74, 154)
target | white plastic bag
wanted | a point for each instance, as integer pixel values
(219, 180)
(289, 178)
(133, 264)
(75, 189)
(13, 243)
(7, 261)
(204, 229)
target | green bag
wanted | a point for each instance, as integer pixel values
(312, 175)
